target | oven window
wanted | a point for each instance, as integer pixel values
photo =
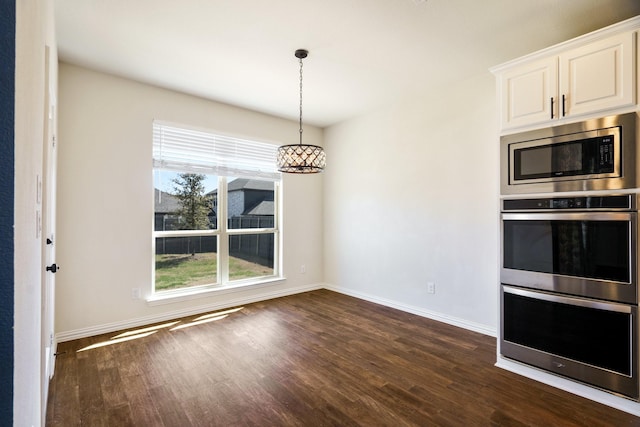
(588, 249)
(597, 337)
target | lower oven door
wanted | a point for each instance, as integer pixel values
(587, 340)
(591, 254)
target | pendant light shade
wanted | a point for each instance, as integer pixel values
(301, 158)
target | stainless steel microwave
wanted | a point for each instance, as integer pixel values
(597, 154)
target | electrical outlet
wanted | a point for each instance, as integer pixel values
(135, 293)
(303, 269)
(431, 287)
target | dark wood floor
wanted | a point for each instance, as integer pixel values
(314, 359)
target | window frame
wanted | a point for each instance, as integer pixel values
(226, 233)
(222, 233)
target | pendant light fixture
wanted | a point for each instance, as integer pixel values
(301, 158)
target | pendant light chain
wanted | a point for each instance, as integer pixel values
(300, 60)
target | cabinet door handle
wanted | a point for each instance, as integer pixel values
(552, 107)
(563, 110)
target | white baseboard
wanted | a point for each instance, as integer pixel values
(106, 328)
(440, 317)
(570, 386)
(263, 296)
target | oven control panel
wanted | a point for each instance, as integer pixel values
(617, 202)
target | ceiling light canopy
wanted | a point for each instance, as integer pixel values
(301, 158)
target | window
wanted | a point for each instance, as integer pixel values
(215, 210)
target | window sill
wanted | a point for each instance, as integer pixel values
(173, 297)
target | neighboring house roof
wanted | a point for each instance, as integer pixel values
(263, 208)
(165, 202)
(250, 184)
(246, 184)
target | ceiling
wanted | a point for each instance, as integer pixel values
(362, 53)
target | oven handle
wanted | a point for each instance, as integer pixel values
(575, 216)
(601, 305)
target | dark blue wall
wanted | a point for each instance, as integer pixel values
(7, 151)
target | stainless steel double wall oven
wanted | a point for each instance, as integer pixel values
(569, 251)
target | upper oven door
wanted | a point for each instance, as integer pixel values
(585, 254)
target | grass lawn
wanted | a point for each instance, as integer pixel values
(179, 271)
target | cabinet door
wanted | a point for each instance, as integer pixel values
(529, 93)
(598, 76)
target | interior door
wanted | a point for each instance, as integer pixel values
(47, 194)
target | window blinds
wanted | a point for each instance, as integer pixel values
(190, 150)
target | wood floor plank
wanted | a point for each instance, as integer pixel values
(63, 410)
(313, 359)
(142, 407)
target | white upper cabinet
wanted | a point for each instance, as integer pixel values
(598, 76)
(529, 93)
(579, 78)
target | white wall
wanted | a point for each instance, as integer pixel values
(34, 30)
(411, 196)
(105, 200)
